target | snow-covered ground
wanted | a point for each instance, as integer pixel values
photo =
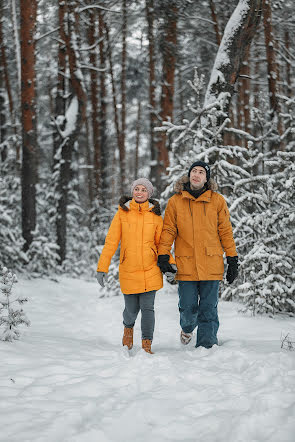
(69, 380)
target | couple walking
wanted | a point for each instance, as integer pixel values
(197, 220)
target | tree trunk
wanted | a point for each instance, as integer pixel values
(115, 104)
(103, 113)
(75, 115)
(122, 151)
(152, 86)
(94, 104)
(167, 92)
(272, 68)
(28, 115)
(6, 81)
(238, 34)
(138, 126)
(60, 102)
(214, 19)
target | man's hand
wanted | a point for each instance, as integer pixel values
(101, 278)
(163, 263)
(171, 276)
(232, 269)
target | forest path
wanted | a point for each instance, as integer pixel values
(68, 379)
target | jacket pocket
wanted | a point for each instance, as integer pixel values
(122, 256)
(214, 257)
(184, 262)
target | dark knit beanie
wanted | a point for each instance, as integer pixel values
(201, 164)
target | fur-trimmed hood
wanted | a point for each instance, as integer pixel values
(179, 185)
(154, 204)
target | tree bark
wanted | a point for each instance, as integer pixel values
(152, 86)
(272, 67)
(214, 19)
(238, 34)
(75, 115)
(122, 151)
(60, 102)
(6, 81)
(167, 92)
(28, 12)
(138, 126)
(94, 104)
(103, 111)
(114, 92)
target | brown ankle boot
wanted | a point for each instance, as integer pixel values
(146, 345)
(128, 337)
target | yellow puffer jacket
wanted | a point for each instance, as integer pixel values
(138, 227)
(202, 232)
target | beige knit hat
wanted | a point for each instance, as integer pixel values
(143, 182)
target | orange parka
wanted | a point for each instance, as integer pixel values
(138, 227)
(202, 232)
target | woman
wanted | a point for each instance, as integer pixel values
(138, 225)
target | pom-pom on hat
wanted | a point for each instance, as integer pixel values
(201, 164)
(143, 182)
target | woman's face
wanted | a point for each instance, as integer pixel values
(140, 194)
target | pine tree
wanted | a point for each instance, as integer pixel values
(10, 317)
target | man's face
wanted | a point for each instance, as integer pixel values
(197, 177)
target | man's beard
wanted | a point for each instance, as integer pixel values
(196, 186)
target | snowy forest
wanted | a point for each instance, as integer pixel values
(96, 94)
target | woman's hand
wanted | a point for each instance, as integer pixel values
(101, 278)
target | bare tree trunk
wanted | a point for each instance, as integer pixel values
(114, 97)
(152, 86)
(28, 12)
(94, 105)
(214, 19)
(3, 150)
(122, 152)
(244, 95)
(238, 34)
(75, 115)
(60, 101)
(167, 93)
(138, 126)
(272, 67)
(6, 81)
(288, 89)
(103, 111)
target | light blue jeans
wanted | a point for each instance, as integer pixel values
(197, 305)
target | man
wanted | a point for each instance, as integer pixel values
(197, 219)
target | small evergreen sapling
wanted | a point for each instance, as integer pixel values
(10, 318)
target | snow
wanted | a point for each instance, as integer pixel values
(71, 118)
(68, 379)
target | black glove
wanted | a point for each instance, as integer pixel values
(232, 269)
(163, 263)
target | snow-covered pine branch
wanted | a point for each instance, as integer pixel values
(10, 317)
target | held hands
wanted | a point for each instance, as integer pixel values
(101, 278)
(170, 276)
(168, 269)
(165, 266)
(232, 268)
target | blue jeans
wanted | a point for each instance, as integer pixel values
(198, 307)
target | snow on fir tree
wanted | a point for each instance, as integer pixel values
(261, 217)
(201, 138)
(11, 241)
(42, 255)
(11, 317)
